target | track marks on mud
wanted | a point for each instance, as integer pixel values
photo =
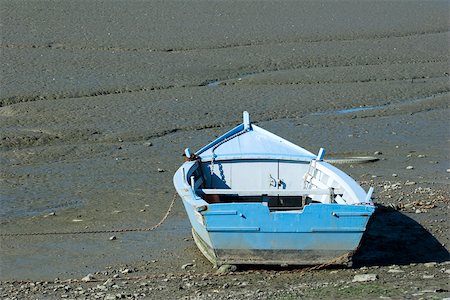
(233, 81)
(342, 38)
(74, 95)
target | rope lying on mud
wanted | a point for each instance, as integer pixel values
(164, 218)
(352, 160)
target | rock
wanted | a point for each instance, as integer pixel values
(418, 211)
(378, 153)
(126, 271)
(396, 271)
(109, 283)
(448, 170)
(148, 144)
(187, 265)
(410, 183)
(88, 277)
(224, 269)
(394, 175)
(421, 156)
(110, 297)
(430, 264)
(409, 168)
(161, 170)
(101, 287)
(365, 277)
(112, 238)
(428, 276)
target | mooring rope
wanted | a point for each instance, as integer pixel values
(164, 218)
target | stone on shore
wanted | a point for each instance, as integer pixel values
(365, 277)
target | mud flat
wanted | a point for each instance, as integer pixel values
(99, 100)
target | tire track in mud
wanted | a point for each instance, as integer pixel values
(356, 37)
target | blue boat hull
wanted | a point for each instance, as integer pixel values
(248, 233)
(253, 197)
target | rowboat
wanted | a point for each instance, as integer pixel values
(253, 197)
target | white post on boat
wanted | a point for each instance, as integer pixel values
(187, 152)
(246, 117)
(193, 182)
(369, 195)
(321, 154)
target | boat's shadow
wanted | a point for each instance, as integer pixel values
(392, 237)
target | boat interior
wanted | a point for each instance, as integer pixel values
(283, 185)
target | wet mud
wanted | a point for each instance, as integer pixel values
(98, 101)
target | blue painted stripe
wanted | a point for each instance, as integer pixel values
(220, 212)
(221, 138)
(215, 229)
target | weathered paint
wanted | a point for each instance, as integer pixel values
(310, 236)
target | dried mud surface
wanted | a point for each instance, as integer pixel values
(99, 99)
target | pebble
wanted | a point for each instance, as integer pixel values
(378, 153)
(428, 276)
(421, 156)
(430, 264)
(410, 183)
(109, 282)
(101, 287)
(126, 271)
(418, 211)
(88, 277)
(224, 269)
(148, 144)
(365, 277)
(187, 265)
(394, 175)
(409, 168)
(112, 238)
(161, 170)
(396, 271)
(448, 170)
